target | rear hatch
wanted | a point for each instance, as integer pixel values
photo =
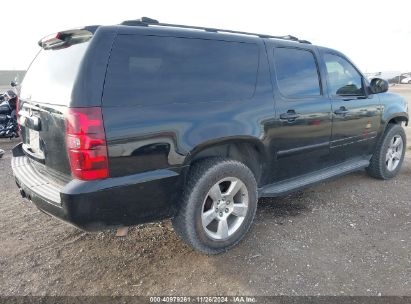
(45, 97)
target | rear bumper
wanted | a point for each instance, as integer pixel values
(102, 204)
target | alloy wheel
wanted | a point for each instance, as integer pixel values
(224, 208)
(394, 153)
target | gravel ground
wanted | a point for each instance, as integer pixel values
(351, 236)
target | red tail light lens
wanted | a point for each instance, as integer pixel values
(86, 143)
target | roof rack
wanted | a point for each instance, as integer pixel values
(145, 21)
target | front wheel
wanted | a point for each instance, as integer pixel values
(389, 155)
(218, 205)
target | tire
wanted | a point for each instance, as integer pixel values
(208, 198)
(393, 142)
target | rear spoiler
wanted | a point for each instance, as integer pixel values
(66, 38)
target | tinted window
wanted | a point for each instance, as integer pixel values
(147, 70)
(297, 73)
(343, 78)
(51, 76)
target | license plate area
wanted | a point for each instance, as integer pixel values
(31, 145)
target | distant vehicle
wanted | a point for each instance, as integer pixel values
(399, 78)
(406, 80)
(143, 121)
(393, 77)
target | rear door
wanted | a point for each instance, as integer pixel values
(301, 138)
(44, 98)
(356, 114)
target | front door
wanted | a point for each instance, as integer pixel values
(356, 114)
(301, 138)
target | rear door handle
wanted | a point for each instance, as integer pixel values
(341, 111)
(290, 115)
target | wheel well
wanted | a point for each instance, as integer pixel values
(398, 120)
(248, 153)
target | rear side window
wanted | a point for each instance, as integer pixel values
(152, 70)
(297, 73)
(50, 78)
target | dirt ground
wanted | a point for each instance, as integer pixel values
(351, 236)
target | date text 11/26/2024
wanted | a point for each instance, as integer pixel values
(203, 299)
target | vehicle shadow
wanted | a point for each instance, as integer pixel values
(290, 205)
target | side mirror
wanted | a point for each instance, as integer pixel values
(378, 85)
(13, 84)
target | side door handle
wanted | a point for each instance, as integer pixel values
(291, 115)
(341, 111)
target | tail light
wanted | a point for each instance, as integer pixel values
(86, 143)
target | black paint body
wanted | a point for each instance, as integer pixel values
(151, 147)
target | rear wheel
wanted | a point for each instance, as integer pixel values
(218, 205)
(387, 159)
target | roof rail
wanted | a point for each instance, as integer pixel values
(145, 21)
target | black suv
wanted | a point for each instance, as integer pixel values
(143, 121)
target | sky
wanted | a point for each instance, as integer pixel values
(376, 35)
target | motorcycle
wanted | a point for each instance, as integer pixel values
(8, 118)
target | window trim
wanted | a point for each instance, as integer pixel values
(320, 84)
(333, 96)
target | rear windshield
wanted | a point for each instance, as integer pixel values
(51, 76)
(152, 70)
